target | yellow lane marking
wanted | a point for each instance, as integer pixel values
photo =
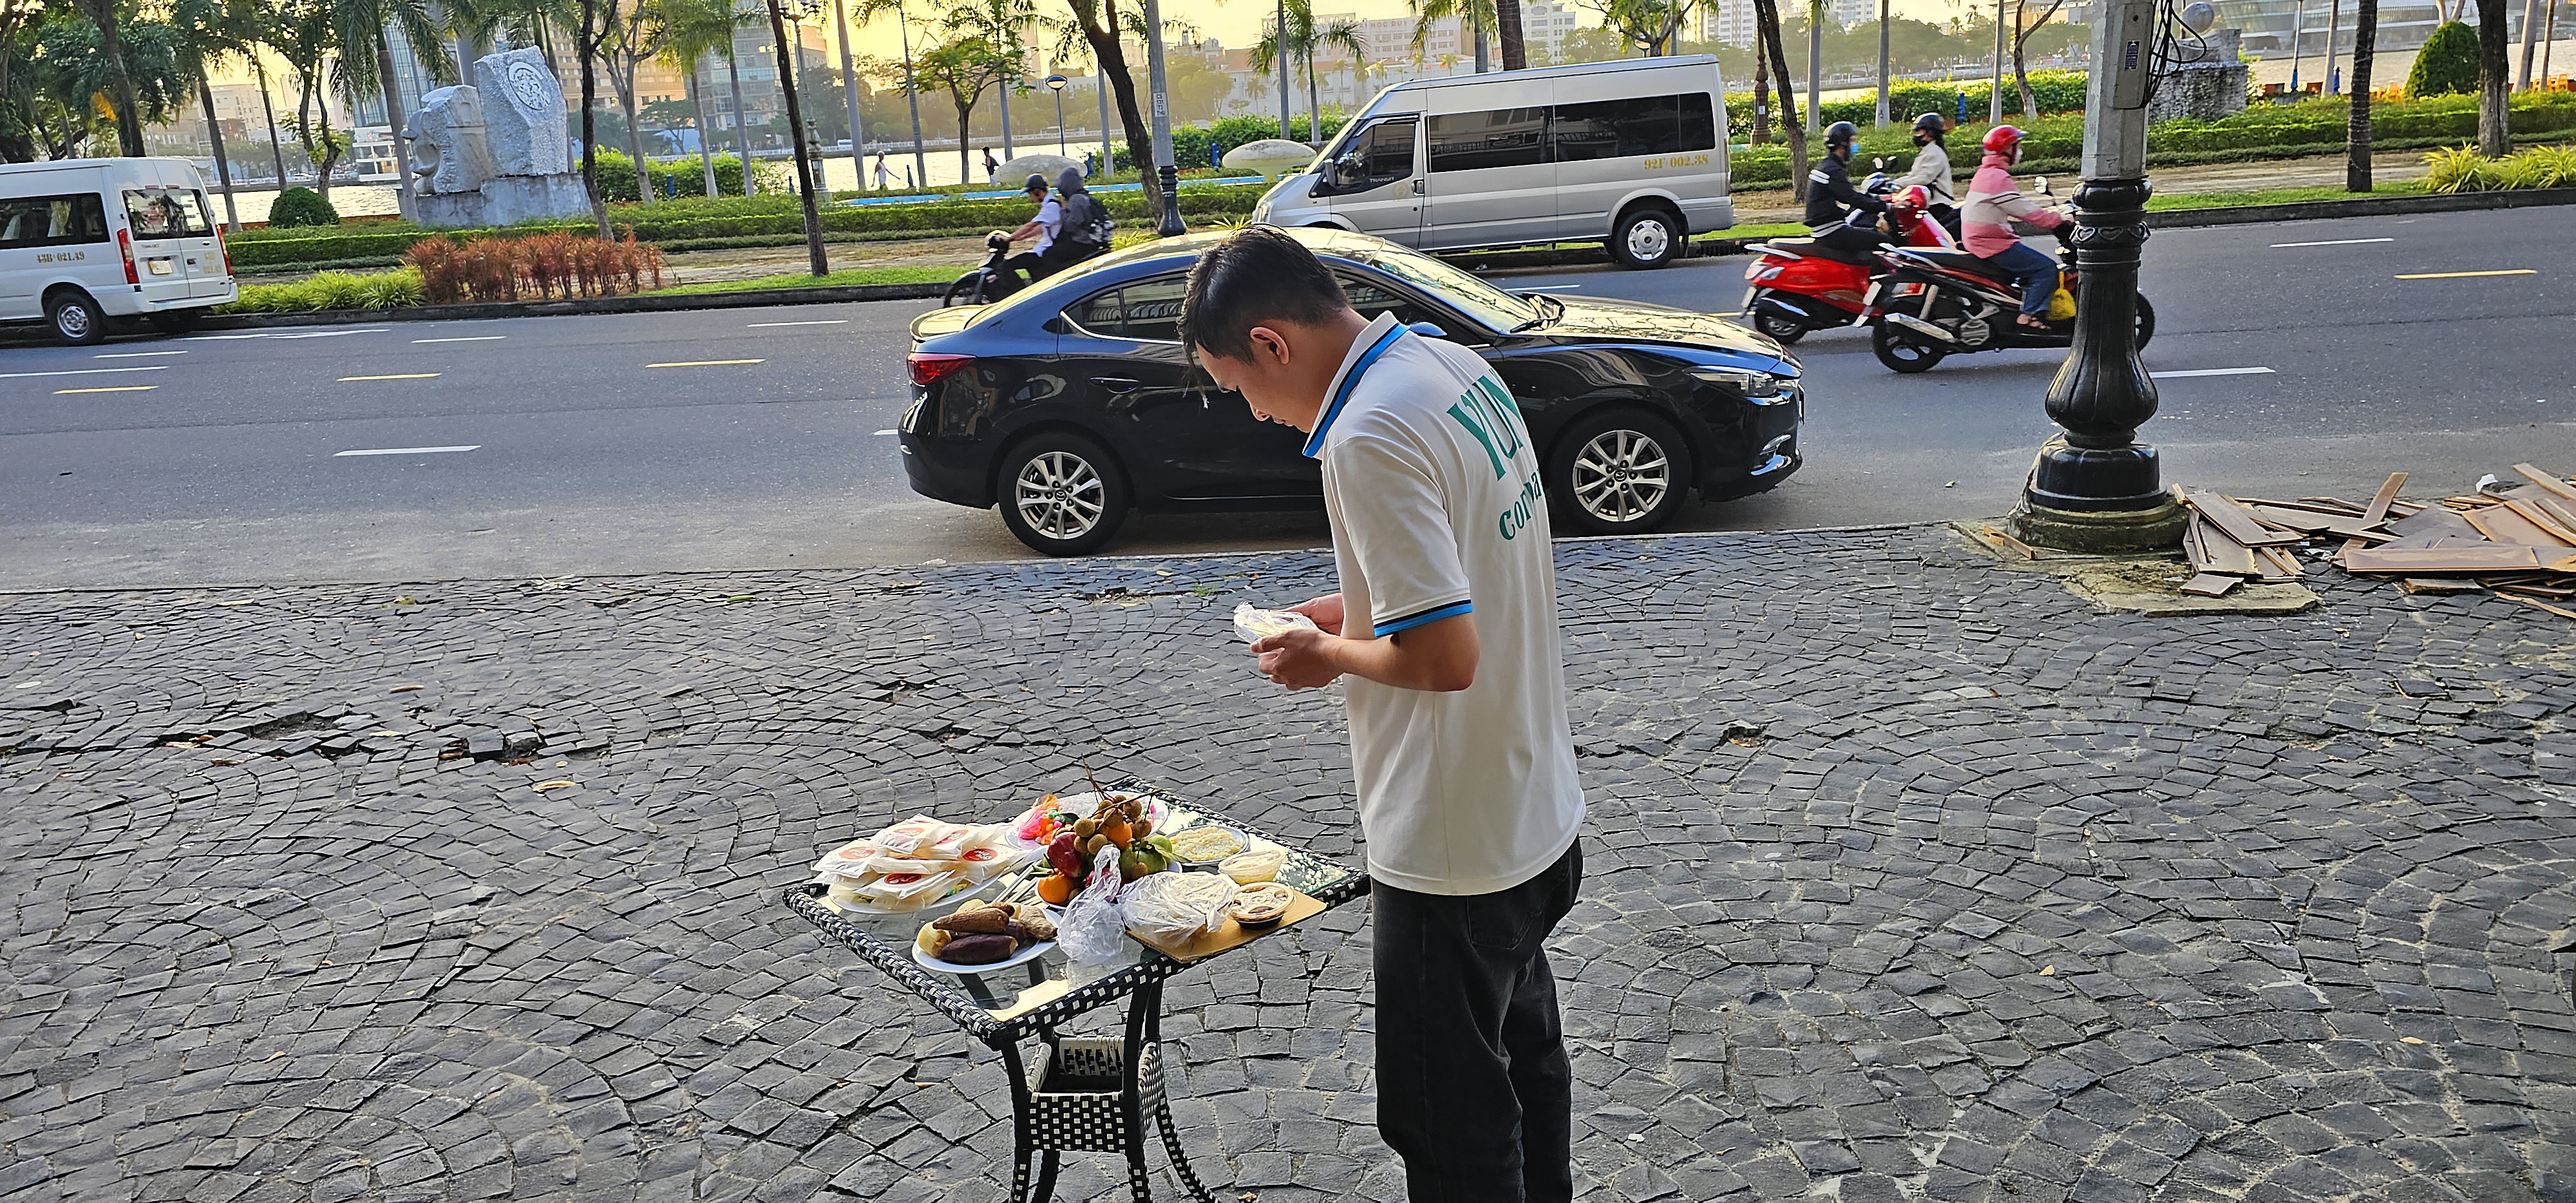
(2518, 271)
(395, 376)
(702, 363)
(125, 388)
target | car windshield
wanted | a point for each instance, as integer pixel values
(1499, 311)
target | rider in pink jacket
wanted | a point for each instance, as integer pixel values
(1985, 224)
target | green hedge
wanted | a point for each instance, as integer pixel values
(703, 223)
(2057, 92)
(674, 178)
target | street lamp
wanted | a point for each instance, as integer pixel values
(1645, 46)
(1055, 84)
(2096, 488)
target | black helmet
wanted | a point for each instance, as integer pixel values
(1841, 133)
(1035, 183)
(1931, 123)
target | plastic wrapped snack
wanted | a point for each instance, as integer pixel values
(904, 838)
(1256, 624)
(1176, 906)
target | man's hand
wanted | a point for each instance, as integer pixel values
(1299, 658)
(1325, 612)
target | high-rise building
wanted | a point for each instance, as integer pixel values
(1729, 23)
(1545, 25)
(1848, 13)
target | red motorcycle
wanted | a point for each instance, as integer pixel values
(1799, 284)
(1931, 304)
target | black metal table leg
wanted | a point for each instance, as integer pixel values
(1180, 1160)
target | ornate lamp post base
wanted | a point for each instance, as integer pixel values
(1170, 226)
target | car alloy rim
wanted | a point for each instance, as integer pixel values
(1060, 495)
(1647, 239)
(73, 320)
(1621, 476)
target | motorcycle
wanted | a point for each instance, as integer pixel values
(988, 283)
(1935, 303)
(1798, 284)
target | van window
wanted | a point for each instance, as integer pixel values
(1493, 138)
(171, 213)
(52, 220)
(1387, 155)
(1637, 125)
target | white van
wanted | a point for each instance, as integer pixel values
(1629, 153)
(87, 242)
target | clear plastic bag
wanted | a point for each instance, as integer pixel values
(1093, 932)
(1175, 906)
(1256, 624)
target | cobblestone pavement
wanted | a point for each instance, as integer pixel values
(1911, 877)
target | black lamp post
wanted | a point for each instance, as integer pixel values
(2095, 487)
(1055, 84)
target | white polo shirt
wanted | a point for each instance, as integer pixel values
(1432, 487)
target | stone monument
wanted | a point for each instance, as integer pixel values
(2205, 82)
(495, 151)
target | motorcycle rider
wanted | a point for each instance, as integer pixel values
(1993, 203)
(1037, 261)
(1932, 170)
(1832, 202)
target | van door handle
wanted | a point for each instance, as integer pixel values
(1118, 385)
(1417, 187)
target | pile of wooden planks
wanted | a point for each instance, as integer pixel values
(2519, 543)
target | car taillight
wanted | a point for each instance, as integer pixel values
(125, 247)
(928, 370)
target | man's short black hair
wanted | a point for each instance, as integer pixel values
(1258, 274)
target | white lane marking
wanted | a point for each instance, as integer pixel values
(283, 334)
(403, 450)
(838, 321)
(885, 432)
(154, 367)
(472, 338)
(2332, 242)
(135, 354)
(2212, 372)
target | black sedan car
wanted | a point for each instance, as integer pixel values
(1071, 403)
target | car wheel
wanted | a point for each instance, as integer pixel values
(177, 321)
(1647, 237)
(1061, 494)
(1899, 353)
(2146, 322)
(76, 318)
(1619, 472)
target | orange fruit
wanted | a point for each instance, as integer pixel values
(1056, 889)
(1118, 831)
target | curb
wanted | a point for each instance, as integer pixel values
(1551, 257)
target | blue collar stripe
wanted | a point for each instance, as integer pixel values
(1350, 379)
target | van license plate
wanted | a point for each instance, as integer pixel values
(160, 267)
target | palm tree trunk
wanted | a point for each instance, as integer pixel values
(1882, 62)
(2495, 135)
(2365, 41)
(2530, 26)
(223, 166)
(589, 47)
(1476, 26)
(1314, 108)
(1005, 90)
(1766, 15)
(741, 134)
(625, 84)
(391, 87)
(1507, 28)
(706, 153)
(129, 123)
(276, 149)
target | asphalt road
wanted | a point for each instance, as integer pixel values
(729, 439)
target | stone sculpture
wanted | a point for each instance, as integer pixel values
(526, 113)
(495, 151)
(2205, 82)
(448, 151)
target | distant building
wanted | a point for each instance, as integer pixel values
(2403, 25)
(1848, 13)
(1545, 24)
(1729, 23)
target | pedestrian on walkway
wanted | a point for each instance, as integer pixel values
(991, 167)
(882, 173)
(1446, 625)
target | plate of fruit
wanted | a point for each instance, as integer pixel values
(1127, 822)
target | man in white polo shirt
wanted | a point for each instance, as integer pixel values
(1446, 627)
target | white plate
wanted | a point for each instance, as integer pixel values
(1022, 957)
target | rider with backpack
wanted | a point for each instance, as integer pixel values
(1087, 228)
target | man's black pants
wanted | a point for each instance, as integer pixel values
(1474, 1090)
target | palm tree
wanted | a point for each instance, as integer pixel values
(1766, 19)
(309, 41)
(1476, 15)
(692, 30)
(2365, 42)
(210, 32)
(1301, 39)
(354, 32)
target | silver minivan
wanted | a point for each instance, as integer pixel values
(84, 242)
(1629, 153)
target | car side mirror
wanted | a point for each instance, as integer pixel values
(2042, 184)
(1879, 163)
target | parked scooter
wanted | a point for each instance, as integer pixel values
(1799, 284)
(1934, 303)
(988, 283)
